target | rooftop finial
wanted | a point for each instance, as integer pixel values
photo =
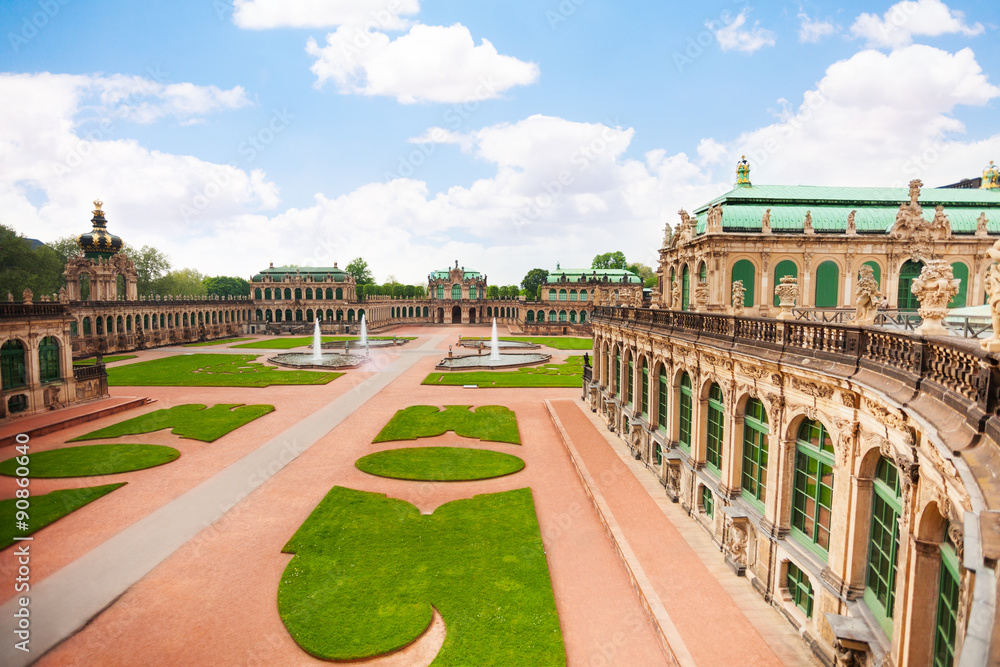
(98, 204)
(991, 178)
(743, 173)
(915, 186)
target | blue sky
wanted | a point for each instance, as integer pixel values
(506, 135)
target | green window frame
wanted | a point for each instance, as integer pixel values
(644, 404)
(876, 271)
(785, 267)
(48, 359)
(472, 291)
(685, 288)
(827, 285)
(960, 270)
(906, 299)
(744, 270)
(630, 384)
(456, 292)
(753, 480)
(685, 412)
(702, 272)
(707, 502)
(716, 430)
(883, 544)
(800, 588)
(440, 291)
(658, 453)
(946, 623)
(618, 374)
(812, 490)
(661, 399)
(12, 368)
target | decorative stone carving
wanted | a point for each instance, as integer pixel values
(849, 399)
(868, 296)
(813, 389)
(714, 219)
(884, 415)
(934, 289)
(686, 230)
(807, 224)
(957, 536)
(992, 344)
(910, 224)
(26, 296)
(753, 371)
(765, 223)
(675, 296)
(701, 293)
(981, 225)
(736, 542)
(739, 294)
(852, 228)
(787, 292)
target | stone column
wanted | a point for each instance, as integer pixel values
(732, 459)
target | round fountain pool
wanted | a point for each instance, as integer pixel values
(325, 362)
(356, 344)
(471, 362)
(501, 345)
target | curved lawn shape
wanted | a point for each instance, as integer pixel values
(439, 464)
(91, 460)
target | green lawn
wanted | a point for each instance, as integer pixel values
(567, 374)
(488, 422)
(188, 421)
(221, 341)
(367, 570)
(288, 343)
(106, 360)
(210, 370)
(46, 509)
(439, 464)
(90, 460)
(557, 342)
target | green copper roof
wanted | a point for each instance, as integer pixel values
(318, 273)
(583, 275)
(444, 275)
(743, 208)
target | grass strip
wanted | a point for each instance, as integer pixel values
(288, 343)
(188, 421)
(439, 464)
(45, 510)
(105, 360)
(567, 374)
(211, 370)
(495, 423)
(368, 569)
(221, 341)
(90, 460)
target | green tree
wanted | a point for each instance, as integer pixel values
(21, 266)
(419, 292)
(150, 265)
(532, 281)
(409, 291)
(65, 246)
(226, 286)
(493, 291)
(646, 273)
(609, 260)
(183, 282)
(358, 269)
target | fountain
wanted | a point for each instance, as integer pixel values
(494, 343)
(364, 332)
(317, 344)
(317, 358)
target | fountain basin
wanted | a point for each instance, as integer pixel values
(502, 344)
(356, 344)
(325, 362)
(474, 362)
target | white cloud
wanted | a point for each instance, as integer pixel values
(812, 30)
(265, 14)
(904, 20)
(734, 37)
(427, 64)
(878, 119)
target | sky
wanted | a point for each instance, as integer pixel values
(502, 134)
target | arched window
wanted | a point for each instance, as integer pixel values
(661, 399)
(426, 311)
(644, 402)
(529, 318)
(456, 292)
(583, 316)
(905, 299)
(785, 267)
(800, 589)
(618, 373)
(340, 294)
(562, 316)
(946, 623)
(684, 413)
(350, 315)
(12, 370)
(309, 315)
(552, 316)
(267, 292)
(583, 295)
(86, 326)
(562, 295)
(685, 288)
(754, 476)
(472, 291)
(145, 321)
(298, 315)
(827, 285)
(876, 272)
(260, 314)
(48, 359)
(716, 429)
(309, 292)
(553, 295)
(288, 293)
(883, 544)
(277, 315)
(960, 270)
(340, 315)
(630, 380)
(703, 272)
(812, 494)
(572, 317)
(411, 311)
(288, 314)
(73, 329)
(329, 315)
(298, 293)
(744, 270)
(572, 295)
(540, 316)
(329, 293)
(256, 294)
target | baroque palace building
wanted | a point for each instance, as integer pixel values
(849, 471)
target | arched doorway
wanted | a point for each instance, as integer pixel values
(472, 315)
(439, 316)
(456, 314)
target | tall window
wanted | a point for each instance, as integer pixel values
(685, 412)
(630, 385)
(960, 270)
(685, 288)
(905, 299)
(883, 544)
(12, 364)
(661, 400)
(456, 292)
(947, 609)
(785, 267)
(755, 428)
(716, 429)
(707, 501)
(440, 291)
(618, 374)
(827, 285)
(744, 270)
(48, 359)
(812, 496)
(644, 405)
(800, 589)
(472, 291)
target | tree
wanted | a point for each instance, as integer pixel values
(409, 291)
(226, 286)
(21, 266)
(183, 282)
(150, 265)
(358, 269)
(419, 292)
(609, 260)
(646, 273)
(532, 281)
(65, 246)
(493, 291)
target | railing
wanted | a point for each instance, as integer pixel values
(45, 308)
(962, 372)
(94, 372)
(966, 326)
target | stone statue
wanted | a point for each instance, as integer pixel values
(675, 296)
(10, 297)
(992, 344)
(668, 233)
(787, 292)
(934, 289)
(739, 292)
(26, 296)
(765, 222)
(701, 292)
(714, 219)
(851, 226)
(981, 225)
(940, 225)
(807, 224)
(867, 295)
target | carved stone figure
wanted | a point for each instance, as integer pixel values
(787, 291)
(910, 223)
(992, 344)
(934, 289)
(981, 225)
(686, 230)
(739, 292)
(867, 295)
(675, 296)
(807, 224)
(26, 296)
(765, 222)
(701, 292)
(851, 225)
(714, 222)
